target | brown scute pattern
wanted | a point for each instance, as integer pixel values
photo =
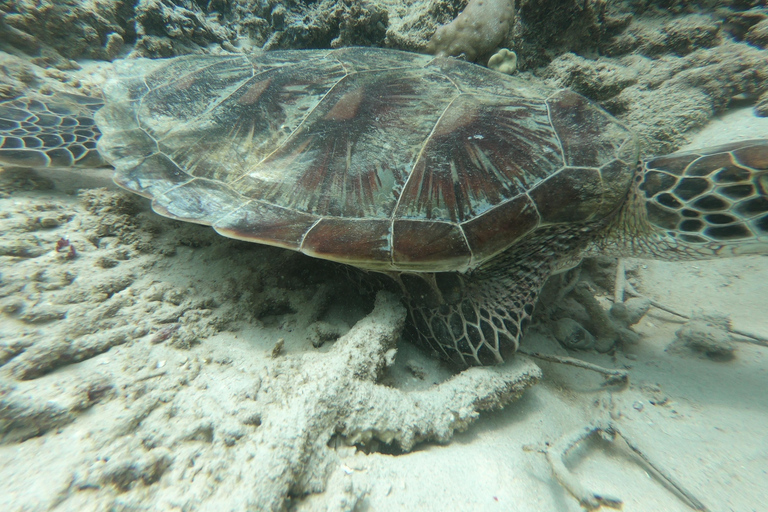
(484, 150)
(360, 242)
(754, 157)
(663, 217)
(185, 96)
(703, 166)
(256, 221)
(674, 164)
(243, 121)
(710, 197)
(500, 227)
(57, 130)
(732, 174)
(590, 137)
(656, 181)
(428, 246)
(688, 188)
(737, 191)
(572, 195)
(170, 69)
(289, 58)
(300, 136)
(353, 153)
(668, 200)
(709, 204)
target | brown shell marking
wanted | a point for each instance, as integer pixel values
(484, 150)
(377, 158)
(340, 162)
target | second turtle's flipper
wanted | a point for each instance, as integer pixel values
(701, 204)
(57, 130)
(714, 197)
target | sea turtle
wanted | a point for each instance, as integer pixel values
(468, 187)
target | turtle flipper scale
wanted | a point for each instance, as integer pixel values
(713, 200)
(56, 130)
(478, 318)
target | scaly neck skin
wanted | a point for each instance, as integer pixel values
(630, 235)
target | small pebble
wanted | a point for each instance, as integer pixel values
(49, 222)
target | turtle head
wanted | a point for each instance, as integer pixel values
(700, 204)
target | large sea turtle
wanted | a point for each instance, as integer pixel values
(468, 187)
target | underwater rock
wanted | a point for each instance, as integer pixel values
(324, 24)
(653, 36)
(476, 31)
(758, 34)
(165, 29)
(72, 29)
(544, 29)
(708, 336)
(572, 335)
(503, 61)
(663, 99)
(598, 79)
(630, 311)
(761, 107)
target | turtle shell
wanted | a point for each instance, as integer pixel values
(377, 158)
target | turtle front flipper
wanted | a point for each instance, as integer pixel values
(478, 318)
(57, 130)
(701, 204)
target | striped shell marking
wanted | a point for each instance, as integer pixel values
(377, 158)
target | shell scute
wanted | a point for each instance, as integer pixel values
(256, 221)
(354, 241)
(161, 73)
(589, 135)
(472, 79)
(754, 156)
(429, 246)
(151, 176)
(192, 90)
(246, 121)
(483, 150)
(200, 200)
(616, 177)
(500, 227)
(289, 58)
(572, 195)
(370, 59)
(353, 153)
